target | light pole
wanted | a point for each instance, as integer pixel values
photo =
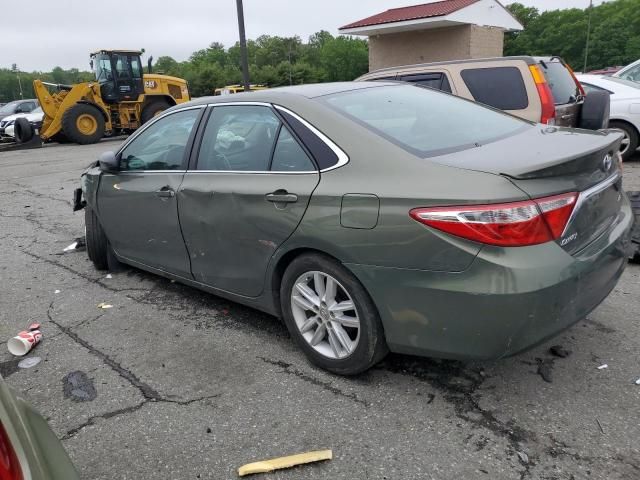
(244, 61)
(586, 49)
(14, 69)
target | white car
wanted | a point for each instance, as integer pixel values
(630, 72)
(7, 124)
(625, 107)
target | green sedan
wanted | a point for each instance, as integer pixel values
(370, 217)
(29, 450)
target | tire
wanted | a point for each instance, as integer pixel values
(60, 138)
(22, 130)
(634, 198)
(370, 345)
(83, 124)
(595, 111)
(627, 150)
(155, 107)
(97, 243)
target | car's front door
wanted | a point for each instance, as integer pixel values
(137, 206)
(244, 197)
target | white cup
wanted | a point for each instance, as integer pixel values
(23, 343)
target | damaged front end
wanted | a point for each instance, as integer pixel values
(80, 195)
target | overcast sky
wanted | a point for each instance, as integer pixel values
(40, 34)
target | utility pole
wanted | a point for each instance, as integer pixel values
(243, 47)
(586, 49)
(14, 69)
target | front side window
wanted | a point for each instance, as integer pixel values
(435, 80)
(498, 87)
(103, 68)
(162, 145)
(423, 121)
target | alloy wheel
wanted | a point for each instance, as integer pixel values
(325, 315)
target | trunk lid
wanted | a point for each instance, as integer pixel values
(545, 161)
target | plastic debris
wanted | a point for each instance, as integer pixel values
(104, 305)
(284, 462)
(524, 458)
(29, 362)
(57, 291)
(73, 246)
(602, 367)
(108, 275)
(638, 381)
(22, 343)
(558, 351)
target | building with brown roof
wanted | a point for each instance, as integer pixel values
(437, 31)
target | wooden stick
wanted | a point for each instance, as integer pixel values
(284, 462)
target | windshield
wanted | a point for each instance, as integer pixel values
(622, 81)
(9, 108)
(102, 66)
(564, 87)
(37, 110)
(424, 122)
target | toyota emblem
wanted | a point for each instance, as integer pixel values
(606, 163)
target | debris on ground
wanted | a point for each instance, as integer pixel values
(638, 381)
(22, 343)
(57, 291)
(29, 362)
(78, 244)
(104, 306)
(109, 276)
(602, 367)
(79, 387)
(284, 462)
(524, 458)
(545, 367)
(558, 351)
(600, 425)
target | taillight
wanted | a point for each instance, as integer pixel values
(9, 465)
(547, 101)
(514, 224)
(575, 79)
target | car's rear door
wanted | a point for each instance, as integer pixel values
(137, 206)
(248, 189)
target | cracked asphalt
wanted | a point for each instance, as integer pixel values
(191, 386)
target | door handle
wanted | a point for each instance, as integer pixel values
(166, 192)
(282, 196)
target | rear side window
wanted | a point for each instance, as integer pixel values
(423, 121)
(561, 82)
(435, 80)
(499, 87)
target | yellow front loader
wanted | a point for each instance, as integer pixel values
(120, 99)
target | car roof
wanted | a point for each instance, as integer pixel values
(309, 91)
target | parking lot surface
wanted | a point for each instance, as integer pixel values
(174, 383)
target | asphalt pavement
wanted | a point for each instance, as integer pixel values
(174, 383)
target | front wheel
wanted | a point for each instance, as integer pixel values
(331, 316)
(629, 142)
(83, 124)
(98, 248)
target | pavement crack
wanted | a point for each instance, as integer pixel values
(290, 370)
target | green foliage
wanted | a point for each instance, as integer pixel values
(11, 79)
(615, 34)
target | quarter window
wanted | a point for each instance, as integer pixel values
(499, 87)
(289, 156)
(162, 145)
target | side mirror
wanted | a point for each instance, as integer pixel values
(108, 162)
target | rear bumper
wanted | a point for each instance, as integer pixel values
(508, 300)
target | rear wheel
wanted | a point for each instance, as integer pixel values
(83, 124)
(153, 109)
(331, 316)
(630, 140)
